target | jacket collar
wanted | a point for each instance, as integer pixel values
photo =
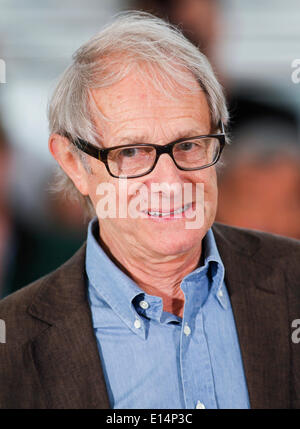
(66, 355)
(256, 287)
(61, 292)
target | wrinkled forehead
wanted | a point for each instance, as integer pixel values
(145, 91)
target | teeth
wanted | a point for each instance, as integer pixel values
(160, 214)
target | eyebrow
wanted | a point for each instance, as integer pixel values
(143, 138)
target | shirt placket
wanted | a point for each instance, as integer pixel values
(195, 363)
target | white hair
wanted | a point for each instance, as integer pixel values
(134, 40)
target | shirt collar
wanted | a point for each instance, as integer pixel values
(213, 267)
(212, 256)
(108, 282)
(122, 294)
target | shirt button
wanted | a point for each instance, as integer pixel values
(187, 330)
(137, 324)
(144, 305)
(220, 293)
(200, 406)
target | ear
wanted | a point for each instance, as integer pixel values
(60, 149)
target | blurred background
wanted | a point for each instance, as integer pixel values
(251, 45)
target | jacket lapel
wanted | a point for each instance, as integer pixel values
(258, 301)
(66, 354)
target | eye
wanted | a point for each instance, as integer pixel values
(186, 146)
(129, 152)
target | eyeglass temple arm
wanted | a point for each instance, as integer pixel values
(222, 127)
(88, 148)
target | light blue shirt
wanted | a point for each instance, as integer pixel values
(154, 359)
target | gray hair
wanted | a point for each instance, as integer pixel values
(132, 40)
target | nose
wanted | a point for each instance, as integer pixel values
(166, 170)
(165, 183)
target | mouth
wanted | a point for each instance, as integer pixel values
(175, 214)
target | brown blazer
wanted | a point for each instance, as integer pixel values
(50, 358)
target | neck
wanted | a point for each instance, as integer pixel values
(159, 276)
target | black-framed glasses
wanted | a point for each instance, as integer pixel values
(137, 160)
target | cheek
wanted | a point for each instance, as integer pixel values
(210, 198)
(209, 183)
(212, 188)
(99, 180)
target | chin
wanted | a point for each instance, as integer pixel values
(176, 243)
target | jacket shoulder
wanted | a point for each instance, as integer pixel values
(29, 316)
(272, 247)
(263, 251)
(19, 325)
(17, 310)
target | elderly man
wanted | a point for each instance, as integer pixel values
(162, 308)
